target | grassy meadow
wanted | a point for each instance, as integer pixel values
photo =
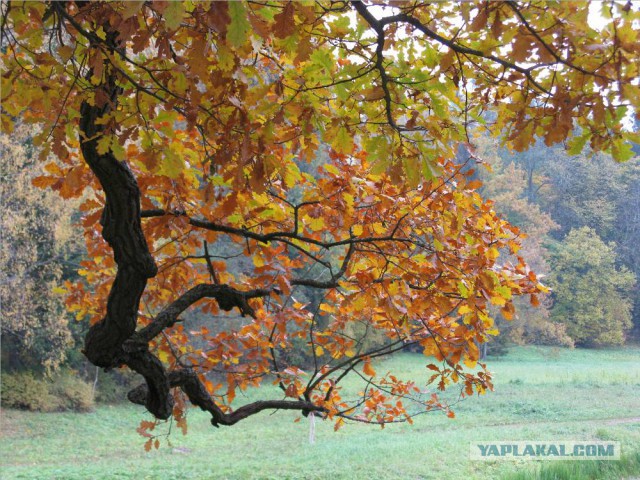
(541, 394)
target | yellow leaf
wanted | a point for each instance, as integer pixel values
(498, 300)
(470, 362)
(332, 169)
(379, 228)
(258, 261)
(464, 291)
(325, 307)
(316, 224)
(172, 164)
(343, 142)
(163, 355)
(239, 27)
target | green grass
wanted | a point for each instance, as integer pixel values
(627, 466)
(541, 394)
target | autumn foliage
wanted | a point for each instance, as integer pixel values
(317, 140)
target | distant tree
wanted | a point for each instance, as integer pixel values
(508, 182)
(37, 238)
(591, 294)
(627, 228)
(595, 192)
(586, 190)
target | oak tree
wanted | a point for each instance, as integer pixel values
(591, 294)
(190, 125)
(508, 185)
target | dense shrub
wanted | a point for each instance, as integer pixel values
(65, 391)
(26, 392)
(549, 333)
(72, 392)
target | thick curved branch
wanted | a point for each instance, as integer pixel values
(188, 381)
(226, 296)
(113, 341)
(122, 230)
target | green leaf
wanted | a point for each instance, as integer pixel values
(131, 9)
(117, 149)
(316, 224)
(377, 148)
(411, 165)
(463, 290)
(430, 169)
(621, 151)
(430, 56)
(332, 169)
(173, 15)
(104, 143)
(576, 144)
(504, 292)
(343, 141)
(172, 164)
(239, 26)
(322, 58)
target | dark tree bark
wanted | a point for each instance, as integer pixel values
(113, 341)
(122, 230)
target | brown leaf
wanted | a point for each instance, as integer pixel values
(43, 181)
(304, 50)
(284, 22)
(218, 17)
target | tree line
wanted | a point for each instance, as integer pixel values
(580, 215)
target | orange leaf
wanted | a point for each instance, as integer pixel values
(367, 369)
(534, 301)
(43, 181)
